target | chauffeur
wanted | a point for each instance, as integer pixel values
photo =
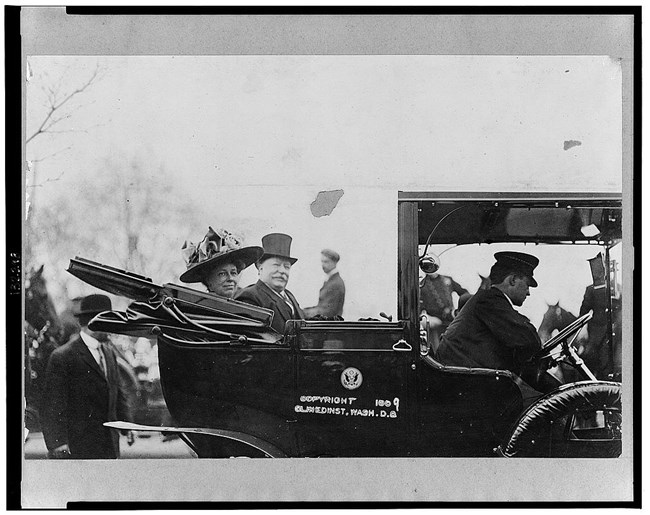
(488, 332)
(270, 290)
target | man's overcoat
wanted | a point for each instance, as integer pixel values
(79, 399)
(331, 297)
(489, 333)
(259, 294)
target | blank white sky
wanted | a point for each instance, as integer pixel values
(252, 139)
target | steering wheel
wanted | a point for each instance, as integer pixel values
(573, 327)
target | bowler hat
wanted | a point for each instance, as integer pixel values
(217, 247)
(94, 304)
(277, 245)
(518, 262)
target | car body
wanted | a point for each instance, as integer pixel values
(372, 387)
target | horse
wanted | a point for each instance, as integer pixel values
(43, 334)
(485, 283)
(555, 319)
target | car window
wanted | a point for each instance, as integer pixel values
(376, 339)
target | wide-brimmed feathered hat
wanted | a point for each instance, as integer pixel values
(217, 247)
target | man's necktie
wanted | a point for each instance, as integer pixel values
(286, 299)
(102, 362)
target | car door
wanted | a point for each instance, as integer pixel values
(352, 395)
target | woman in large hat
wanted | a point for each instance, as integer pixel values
(218, 261)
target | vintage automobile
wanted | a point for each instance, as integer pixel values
(372, 387)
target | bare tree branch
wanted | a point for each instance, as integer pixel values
(39, 159)
(54, 179)
(63, 131)
(50, 120)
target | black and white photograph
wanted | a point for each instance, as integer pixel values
(327, 257)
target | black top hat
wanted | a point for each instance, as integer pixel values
(94, 304)
(518, 262)
(277, 245)
(217, 247)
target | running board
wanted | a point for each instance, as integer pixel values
(256, 443)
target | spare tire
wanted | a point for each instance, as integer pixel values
(576, 420)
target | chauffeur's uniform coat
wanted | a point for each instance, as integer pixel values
(489, 333)
(79, 398)
(259, 294)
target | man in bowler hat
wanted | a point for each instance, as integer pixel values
(270, 290)
(83, 390)
(489, 333)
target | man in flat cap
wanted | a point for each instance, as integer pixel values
(83, 390)
(270, 290)
(488, 332)
(332, 294)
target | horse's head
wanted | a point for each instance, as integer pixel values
(555, 318)
(39, 308)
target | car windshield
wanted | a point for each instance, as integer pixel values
(563, 273)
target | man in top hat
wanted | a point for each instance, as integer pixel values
(270, 290)
(489, 332)
(218, 261)
(332, 294)
(82, 391)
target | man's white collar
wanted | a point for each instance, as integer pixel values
(91, 343)
(332, 272)
(506, 296)
(509, 300)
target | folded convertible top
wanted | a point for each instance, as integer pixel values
(172, 308)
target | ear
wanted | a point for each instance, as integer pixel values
(512, 279)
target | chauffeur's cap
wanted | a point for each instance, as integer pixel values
(518, 262)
